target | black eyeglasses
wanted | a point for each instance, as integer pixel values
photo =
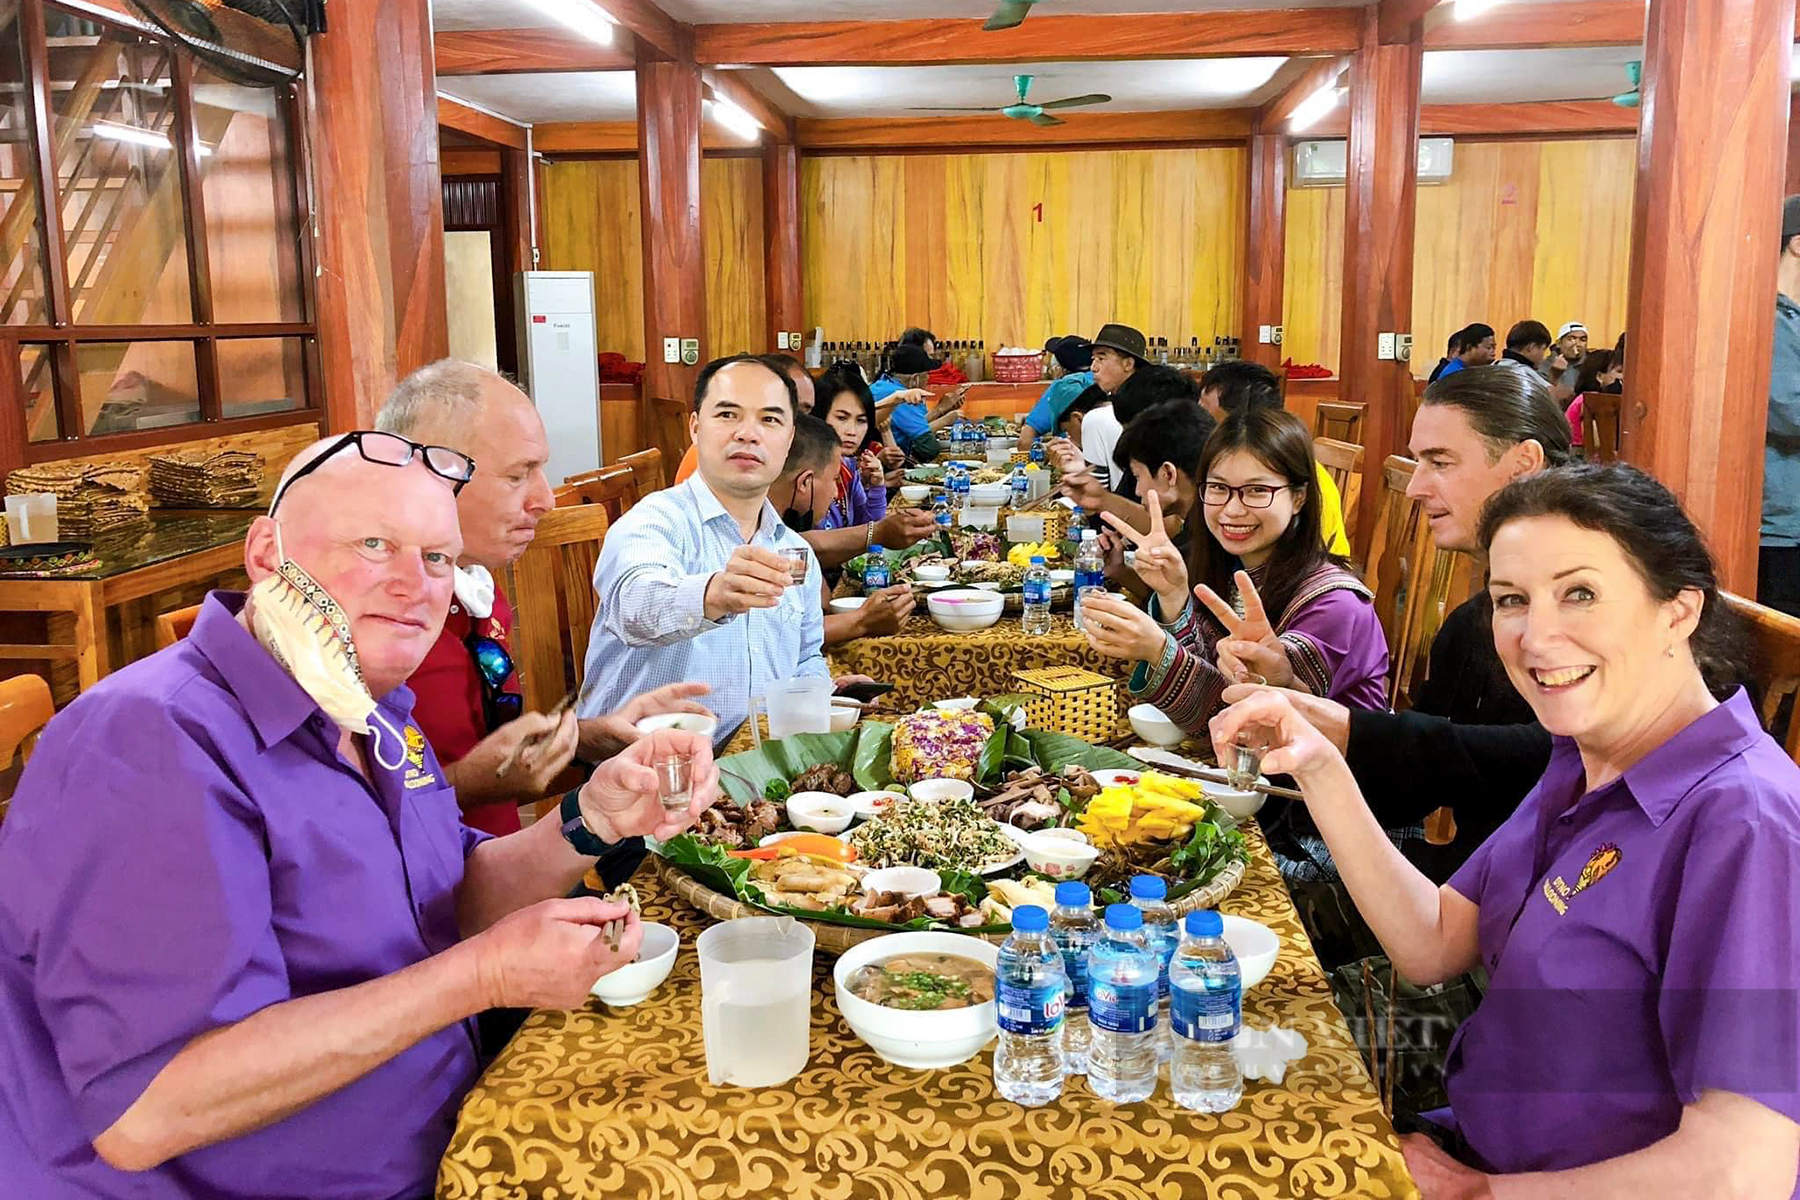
(390, 450)
(1254, 495)
(495, 666)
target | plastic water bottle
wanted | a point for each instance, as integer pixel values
(1021, 487)
(940, 513)
(1037, 453)
(875, 573)
(1206, 995)
(1030, 991)
(1075, 929)
(1090, 568)
(1077, 521)
(1148, 894)
(1036, 615)
(956, 480)
(1122, 1009)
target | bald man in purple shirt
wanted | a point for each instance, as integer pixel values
(241, 943)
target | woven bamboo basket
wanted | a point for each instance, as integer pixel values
(1071, 700)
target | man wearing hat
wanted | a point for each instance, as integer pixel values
(1778, 561)
(1561, 368)
(1119, 350)
(1075, 354)
(905, 379)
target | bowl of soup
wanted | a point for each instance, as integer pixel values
(920, 999)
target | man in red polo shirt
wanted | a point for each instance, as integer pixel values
(467, 689)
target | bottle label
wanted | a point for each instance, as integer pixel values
(1037, 591)
(875, 578)
(1029, 1011)
(1122, 1007)
(1089, 578)
(1205, 1014)
(1075, 967)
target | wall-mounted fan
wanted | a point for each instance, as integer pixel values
(1631, 99)
(1023, 110)
(260, 43)
(1010, 13)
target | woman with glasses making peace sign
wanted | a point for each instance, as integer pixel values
(1297, 617)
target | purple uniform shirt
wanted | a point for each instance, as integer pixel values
(1643, 943)
(185, 849)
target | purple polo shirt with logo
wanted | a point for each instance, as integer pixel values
(185, 849)
(1643, 943)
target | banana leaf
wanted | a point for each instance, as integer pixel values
(896, 558)
(863, 751)
(1053, 751)
(710, 864)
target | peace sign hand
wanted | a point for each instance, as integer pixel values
(1249, 647)
(1159, 563)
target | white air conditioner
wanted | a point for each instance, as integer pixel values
(1323, 164)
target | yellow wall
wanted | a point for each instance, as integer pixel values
(1152, 238)
(591, 223)
(1522, 229)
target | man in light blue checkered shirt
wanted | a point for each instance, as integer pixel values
(690, 583)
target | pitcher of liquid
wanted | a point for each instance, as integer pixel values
(756, 990)
(799, 706)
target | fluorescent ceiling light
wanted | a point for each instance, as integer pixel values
(1465, 9)
(138, 137)
(1314, 107)
(735, 119)
(583, 16)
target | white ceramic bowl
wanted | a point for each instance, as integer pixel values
(956, 704)
(1242, 805)
(964, 610)
(1155, 728)
(1061, 577)
(700, 723)
(931, 572)
(847, 604)
(915, 492)
(921, 1040)
(844, 716)
(821, 812)
(989, 495)
(1255, 946)
(942, 789)
(1058, 857)
(634, 981)
(870, 804)
(908, 881)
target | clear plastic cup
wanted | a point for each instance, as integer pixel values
(756, 995)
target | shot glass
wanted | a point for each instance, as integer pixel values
(674, 781)
(1245, 765)
(796, 561)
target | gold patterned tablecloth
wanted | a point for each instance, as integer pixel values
(614, 1105)
(926, 663)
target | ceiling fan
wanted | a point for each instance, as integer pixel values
(1022, 110)
(1631, 99)
(1009, 14)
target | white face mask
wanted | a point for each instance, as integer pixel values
(296, 620)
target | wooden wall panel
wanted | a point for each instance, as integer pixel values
(731, 226)
(1153, 238)
(1521, 229)
(590, 214)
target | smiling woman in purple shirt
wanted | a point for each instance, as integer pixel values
(1638, 914)
(242, 930)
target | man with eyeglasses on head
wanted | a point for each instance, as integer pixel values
(243, 933)
(466, 692)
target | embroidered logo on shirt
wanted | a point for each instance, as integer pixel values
(416, 775)
(1604, 858)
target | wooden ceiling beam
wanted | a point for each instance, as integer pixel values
(727, 85)
(520, 51)
(1274, 115)
(1044, 38)
(659, 35)
(1533, 25)
(1397, 18)
(1553, 118)
(977, 132)
(615, 137)
(467, 119)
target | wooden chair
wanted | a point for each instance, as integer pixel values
(174, 625)
(1343, 462)
(1340, 420)
(1398, 520)
(1600, 426)
(25, 708)
(1439, 580)
(1774, 643)
(669, 426)
(554, 602)
(615, 488)
(647, 467)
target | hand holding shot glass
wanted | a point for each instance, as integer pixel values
(796, 557)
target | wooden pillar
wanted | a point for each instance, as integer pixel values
(1793, 148)
(1378, 245)
(515, 208)
(781, 239)
(1265, 234)
(1705, 236)
(668, 104)
(378, 204)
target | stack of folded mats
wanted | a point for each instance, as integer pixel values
(91, 498)
(206, 479)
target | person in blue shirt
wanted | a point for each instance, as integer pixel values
(1075, 355)
(1470, 346)
(1778, 557)
(914, 428)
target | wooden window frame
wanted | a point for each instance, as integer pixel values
(62, 334)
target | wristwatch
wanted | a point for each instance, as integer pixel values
(575, 830)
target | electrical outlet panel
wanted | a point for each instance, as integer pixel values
(671, 350)
(1403, 347)
(1384, 347)
(794, 342)
(1265, 334)
(1276, 339)
(781, 339)
(690, 352)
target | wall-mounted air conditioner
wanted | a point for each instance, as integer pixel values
(1322, 163)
